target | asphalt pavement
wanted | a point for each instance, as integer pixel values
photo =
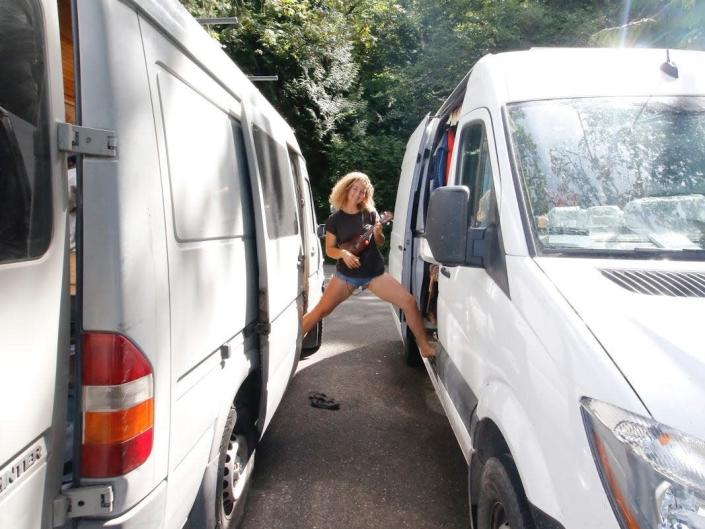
(386, 459)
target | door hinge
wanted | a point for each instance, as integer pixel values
(87, 141)
(258, 327)
(82, 501)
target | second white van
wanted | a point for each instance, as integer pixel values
(550, 220)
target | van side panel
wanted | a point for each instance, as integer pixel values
(175, 247)
(533, 380)
(125, 278)
(212, 258)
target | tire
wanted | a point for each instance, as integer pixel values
(411, 350)
(234, 474)
(502, 503)
(312, 341)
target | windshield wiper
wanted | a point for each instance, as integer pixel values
(686, 254)
(564, 230)
(671, 251)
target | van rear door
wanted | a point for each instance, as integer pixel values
(34, 306)
(400, 243)
(315, 254)
(313, 278)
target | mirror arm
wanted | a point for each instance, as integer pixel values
(476, 247)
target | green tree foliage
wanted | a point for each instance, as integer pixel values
(307, 44)
(412, 53)
(658, 23)
(357, 76)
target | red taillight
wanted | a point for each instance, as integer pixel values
(117, 406)
(106, 460)
(111, 359)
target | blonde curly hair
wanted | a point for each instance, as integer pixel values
(339, 193)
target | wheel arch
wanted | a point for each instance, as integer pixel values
(501, 426)
(247, 396)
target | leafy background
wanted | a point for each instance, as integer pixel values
(357, 76)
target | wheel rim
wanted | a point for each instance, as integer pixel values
(234, 478)
(498, 517)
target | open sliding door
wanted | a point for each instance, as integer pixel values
(279, 253)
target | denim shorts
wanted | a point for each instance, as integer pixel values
(357, 282)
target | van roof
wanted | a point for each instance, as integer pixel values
(551, 73)
(186, 33)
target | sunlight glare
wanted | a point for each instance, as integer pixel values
(625, 21)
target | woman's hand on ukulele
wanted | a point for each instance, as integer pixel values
(350, 260)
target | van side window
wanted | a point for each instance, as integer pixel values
(25, 174)
(279, 195)
(207, 165)
(475, 172)
(294, 165)
(313, 204)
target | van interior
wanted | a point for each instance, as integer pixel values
(67, 61)
(438, 159)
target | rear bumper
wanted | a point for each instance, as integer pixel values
(147, 514)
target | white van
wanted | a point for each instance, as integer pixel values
(196, 255)
(557, 249)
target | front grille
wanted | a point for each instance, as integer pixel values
(656, 283)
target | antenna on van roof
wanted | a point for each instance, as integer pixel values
(668, 67)
(258, 78)
(223, 21)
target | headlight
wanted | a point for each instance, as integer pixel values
(654, 475)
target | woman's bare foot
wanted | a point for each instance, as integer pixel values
(427, 350)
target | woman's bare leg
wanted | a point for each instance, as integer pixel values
(335, 293)
(389, 289)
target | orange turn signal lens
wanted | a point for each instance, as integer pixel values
(100, 427)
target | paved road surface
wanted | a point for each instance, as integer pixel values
(386, 459)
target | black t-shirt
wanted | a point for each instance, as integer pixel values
(345, 227)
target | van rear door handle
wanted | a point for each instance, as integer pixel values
(445, 271)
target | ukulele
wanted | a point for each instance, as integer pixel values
(356, 245)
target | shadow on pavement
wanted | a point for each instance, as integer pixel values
(386, 459)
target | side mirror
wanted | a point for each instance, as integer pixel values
(321, 230)
(447, 224)
(451, 241)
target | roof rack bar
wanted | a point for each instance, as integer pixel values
(258, 78)
(227, 21)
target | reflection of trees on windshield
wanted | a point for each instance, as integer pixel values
(635, 165)
(534, 177)
(678, 169)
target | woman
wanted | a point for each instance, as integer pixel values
(352, 198)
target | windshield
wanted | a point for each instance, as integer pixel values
(613, 175)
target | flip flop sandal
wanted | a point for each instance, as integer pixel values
(323, 401)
